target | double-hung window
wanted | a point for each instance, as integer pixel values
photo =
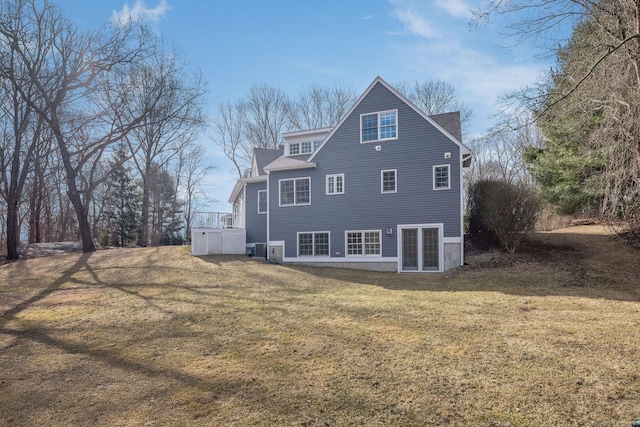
(262, 201)
(363, 243)
(335, 184)
(379, 126)
(388, 182)
(295, 191)
(441, 180)
(313, 244)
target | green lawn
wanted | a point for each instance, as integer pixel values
(156, 337)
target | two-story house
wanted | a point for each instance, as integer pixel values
(381, 190)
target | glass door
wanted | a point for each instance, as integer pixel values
(410, 249)
(430, 249)
(421, 247)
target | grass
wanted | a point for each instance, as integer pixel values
(157, 337)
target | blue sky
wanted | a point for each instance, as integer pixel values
(292, 44)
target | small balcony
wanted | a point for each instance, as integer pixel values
(217, 220)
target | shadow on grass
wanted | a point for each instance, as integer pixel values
(80, 264)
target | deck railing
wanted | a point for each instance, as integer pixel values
(216, 220)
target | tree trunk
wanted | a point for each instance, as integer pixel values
(12, 229)
(84, 227)
(144, 221)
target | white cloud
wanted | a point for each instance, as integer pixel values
(413, 23)
(140, 12)
(368, 17)
(455, 8)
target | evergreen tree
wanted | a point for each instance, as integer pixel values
(569, 166)
(122, 201)
(165, 210)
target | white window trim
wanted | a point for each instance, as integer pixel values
(395, 172)
(448, 177)
(362, 255)
(335, 176)
(266, 195)
(313, 244)
(442, 240)
(294, 191)
(379, 139)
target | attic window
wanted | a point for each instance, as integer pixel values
(379, 126)
(306, 147)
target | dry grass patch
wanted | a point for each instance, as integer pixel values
(157, 337)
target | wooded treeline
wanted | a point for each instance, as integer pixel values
(98, 131)
(587, 107)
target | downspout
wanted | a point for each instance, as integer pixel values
(461, 214)
(462, 190)
(268, 219)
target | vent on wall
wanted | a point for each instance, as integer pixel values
(260, 250)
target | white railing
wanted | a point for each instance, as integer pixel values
(216, 220)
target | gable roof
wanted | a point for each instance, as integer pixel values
(263, 156)
(464, 150)
(450, 122)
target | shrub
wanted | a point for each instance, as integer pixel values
(505, 211)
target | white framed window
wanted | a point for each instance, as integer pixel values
(363, 243)
(314, 243)
(316, 144)
(295, 191)
(388, 181)
(306, 147)
(441, 180)
(380, 126)
(294, 149)
(335, 184)
(262, 201)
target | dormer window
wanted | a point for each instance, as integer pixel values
(305, 147)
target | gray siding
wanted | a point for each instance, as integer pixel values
(418, 148)
(255, 223)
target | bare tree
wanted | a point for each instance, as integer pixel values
(171, 99)
(259, 120)
(21, 129)
(69, 70)
(255, 122)
(266, 113)
(192, 168)
(499, 155)
(435, 97)
(320, 107)
(228, 129)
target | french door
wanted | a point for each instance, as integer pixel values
(420, 247)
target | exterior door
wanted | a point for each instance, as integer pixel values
(410, 249)
(420, 247)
